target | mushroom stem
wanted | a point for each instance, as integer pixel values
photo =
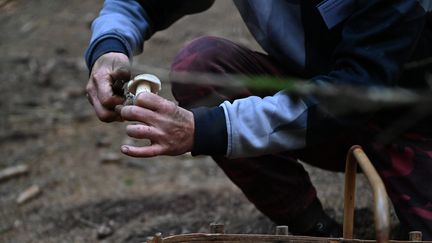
(144, 83)
(143, 86)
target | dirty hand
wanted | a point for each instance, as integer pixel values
(107, 69)
(169, 127)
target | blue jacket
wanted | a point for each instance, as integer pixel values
(357, 42)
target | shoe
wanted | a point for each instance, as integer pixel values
(315, 222)
(325, 227)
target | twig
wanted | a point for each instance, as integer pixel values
(28, 194)
(13, 171)
(86, 222)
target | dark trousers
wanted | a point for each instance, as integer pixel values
(278, 185)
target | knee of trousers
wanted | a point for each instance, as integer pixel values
(203, 55)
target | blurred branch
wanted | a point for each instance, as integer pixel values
(403, 124)
(419, 63)
(359, 98)
(337, 99)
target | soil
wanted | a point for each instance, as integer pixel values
(47, 123)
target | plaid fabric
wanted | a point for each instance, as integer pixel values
(405, 165)
(277, 184)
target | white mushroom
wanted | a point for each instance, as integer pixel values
(144, 83)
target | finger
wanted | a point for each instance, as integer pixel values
(143, 152)
(141, 131)
(139, 114)
(102, 113)
(90, 90)
(90, 100)
(105, 114)
(118, 108)
(105, 93)
(150, 101)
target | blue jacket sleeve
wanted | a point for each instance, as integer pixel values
(124, 25)
(121, 26)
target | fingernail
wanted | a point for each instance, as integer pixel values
(124, 149)
(118, 108)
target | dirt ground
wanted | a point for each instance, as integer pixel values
(47, 124)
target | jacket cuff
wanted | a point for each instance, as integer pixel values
(210, 136)
(102, 47)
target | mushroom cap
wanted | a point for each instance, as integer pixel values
(155, 83)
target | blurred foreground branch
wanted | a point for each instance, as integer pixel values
(341, 97)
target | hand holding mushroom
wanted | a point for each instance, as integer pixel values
(169, 127)
(107, 69)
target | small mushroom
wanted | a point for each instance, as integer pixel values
(144, 83)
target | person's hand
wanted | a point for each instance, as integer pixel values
(169, 127)
(107, 69)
